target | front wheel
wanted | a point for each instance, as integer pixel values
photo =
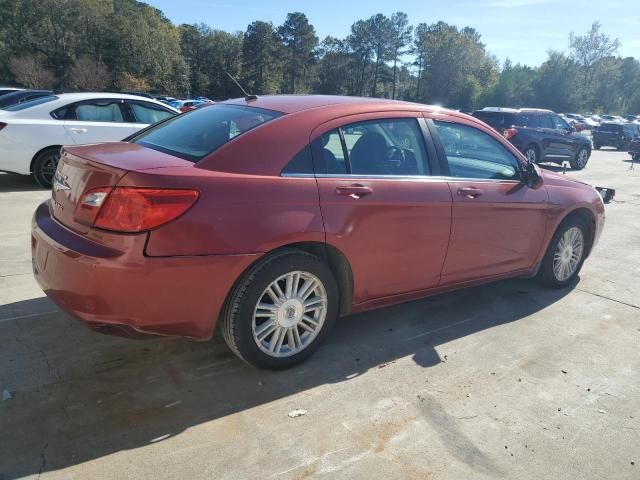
(279, 313)
(45, 165)
(580, 160)
(564, 257)
(532, 154)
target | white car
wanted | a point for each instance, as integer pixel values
(32, 133)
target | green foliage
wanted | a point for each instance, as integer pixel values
(299, 41)
(130, 45)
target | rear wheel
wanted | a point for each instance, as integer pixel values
(564, 257)
(45, 165)
(581, 159)
(280, 311)
(531, 152)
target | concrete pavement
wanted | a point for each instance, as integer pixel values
(507, 380)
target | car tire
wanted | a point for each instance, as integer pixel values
(44, 166)
(559, 266)
(580, 160)
(531, 152)
(252, 317)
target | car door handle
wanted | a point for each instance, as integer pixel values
(354, 191)
(78, 130)
(469, 192)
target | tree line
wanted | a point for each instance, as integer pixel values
(128, 45)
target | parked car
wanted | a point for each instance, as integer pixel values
(541, 135)
(612, 119)
(22, 96)
(614, 134)
(272, 216)
(189, 105)
(31, 133)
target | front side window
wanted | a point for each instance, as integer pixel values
(374, 147)
(559, 123)
(194, 136)
(471, 153)
(546, 121)
(148, 113)
(109, 112)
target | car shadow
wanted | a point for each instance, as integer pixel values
(87, 396)
(10, 182)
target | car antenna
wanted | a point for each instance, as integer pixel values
(247, 96)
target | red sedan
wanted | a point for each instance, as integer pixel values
(273, 216)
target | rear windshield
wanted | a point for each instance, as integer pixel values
(31, 103)
(195, 135)
(496, 119)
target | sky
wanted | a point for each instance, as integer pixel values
(522, 30)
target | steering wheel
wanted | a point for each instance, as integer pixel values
(394, 152)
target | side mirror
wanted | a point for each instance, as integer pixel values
(531, 175)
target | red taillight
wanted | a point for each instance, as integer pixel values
(509, 133)
(131, 210)
(2, 125)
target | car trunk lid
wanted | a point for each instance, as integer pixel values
(84, 168)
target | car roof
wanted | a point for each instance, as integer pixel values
(298, 103)
(514, 110)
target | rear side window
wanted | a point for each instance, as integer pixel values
(148, 113)
(527, 120)
(471, 153)
(99, 112)
(497, 120)
(195, 135)
(328, 154)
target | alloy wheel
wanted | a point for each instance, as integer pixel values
(568, 254)
(289, 314)
(49, 166)
(583, 156)
(531, 155)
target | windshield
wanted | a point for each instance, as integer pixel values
(195, 135)
(31, 103)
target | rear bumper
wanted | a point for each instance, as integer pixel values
(123, 292)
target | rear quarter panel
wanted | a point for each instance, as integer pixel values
(235, 214)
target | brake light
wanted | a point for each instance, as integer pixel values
(2, 125)
(509, 133)
(131, 210)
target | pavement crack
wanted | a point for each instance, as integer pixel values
(43, 459)
(609, 298)
(63, 406)
(15, 274)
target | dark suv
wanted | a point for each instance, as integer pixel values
(617, 135)
(541, 135)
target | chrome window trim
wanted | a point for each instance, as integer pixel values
(349, 177)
